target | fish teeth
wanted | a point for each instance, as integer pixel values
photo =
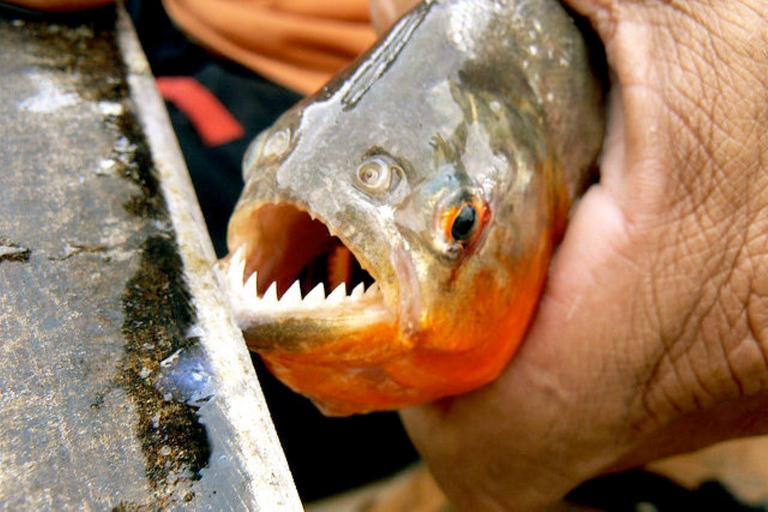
(270, 296)
(292, 296)
(249, 290)
(236, 269)
(316, 296)
(338, 294)
(372, 290)
(246, 299)
(357, 292)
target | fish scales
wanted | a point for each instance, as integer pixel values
(443, 163)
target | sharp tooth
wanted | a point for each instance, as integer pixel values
(238, 254)
(339, 293)
(357, 292)
(293, 295)
(270, 296)
(316, 296)
(372, 290)
(236, 269)
(249, 290)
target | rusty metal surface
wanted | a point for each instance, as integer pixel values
(123, 382)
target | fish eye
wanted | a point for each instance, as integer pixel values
(462, 222)
(378, 174)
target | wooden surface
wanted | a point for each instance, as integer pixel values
(124, 382)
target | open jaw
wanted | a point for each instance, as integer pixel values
(293, 284)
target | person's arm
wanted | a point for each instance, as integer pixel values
(651, 338)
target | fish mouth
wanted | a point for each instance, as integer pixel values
(294, 284)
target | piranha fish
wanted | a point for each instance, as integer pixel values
(395, 229)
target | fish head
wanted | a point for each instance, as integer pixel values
(395, 229)
(379, 262)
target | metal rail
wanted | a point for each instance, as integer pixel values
(123, 381)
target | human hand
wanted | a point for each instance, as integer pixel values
(652, 335)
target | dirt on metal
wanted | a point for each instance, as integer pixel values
(156, 302)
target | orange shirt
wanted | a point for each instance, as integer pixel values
(300, 44)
